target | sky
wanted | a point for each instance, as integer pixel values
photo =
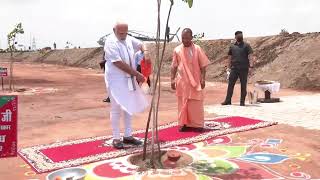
(83, 22)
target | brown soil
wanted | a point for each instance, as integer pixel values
(293, 60)
(76, 111)
(137, 160)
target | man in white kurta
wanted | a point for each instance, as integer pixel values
(121, 79)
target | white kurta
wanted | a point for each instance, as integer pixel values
(132, 101)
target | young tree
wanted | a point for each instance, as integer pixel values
(11, 41)
(156, 88)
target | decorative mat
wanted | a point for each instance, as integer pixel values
(45, 158)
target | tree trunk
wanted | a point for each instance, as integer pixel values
(156, 92)
(159, 76)
(152, 110)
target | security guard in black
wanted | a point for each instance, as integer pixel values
(239, 65)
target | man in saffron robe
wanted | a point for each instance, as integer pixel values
(188, 71)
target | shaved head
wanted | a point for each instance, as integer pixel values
(187, 30)
(187, 37)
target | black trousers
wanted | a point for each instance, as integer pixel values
(139, 70)
(236, 73)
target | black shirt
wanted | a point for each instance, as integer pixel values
(239, 53)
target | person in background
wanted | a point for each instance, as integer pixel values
(103, 67)
(240, 62)
(140, 57)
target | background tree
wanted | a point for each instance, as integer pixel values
(11, 47)
(197, 38)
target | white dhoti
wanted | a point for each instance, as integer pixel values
(125, 93)
(130, 102)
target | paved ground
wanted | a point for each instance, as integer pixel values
(302, 110)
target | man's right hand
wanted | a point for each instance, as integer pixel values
(140, 78)
(173, 85)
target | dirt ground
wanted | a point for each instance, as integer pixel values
(75, 110)
(294, 58)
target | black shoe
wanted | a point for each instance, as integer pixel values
(184, 128)
(117, 144)
(107, 100)
(225, 103)
(198, 130)
(242, 104)
(132, 140)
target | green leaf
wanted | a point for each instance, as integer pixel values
(203, 177)
(190, 3)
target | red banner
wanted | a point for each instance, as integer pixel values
(8, 126)
(3, 72)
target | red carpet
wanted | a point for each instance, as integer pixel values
(46, 158)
